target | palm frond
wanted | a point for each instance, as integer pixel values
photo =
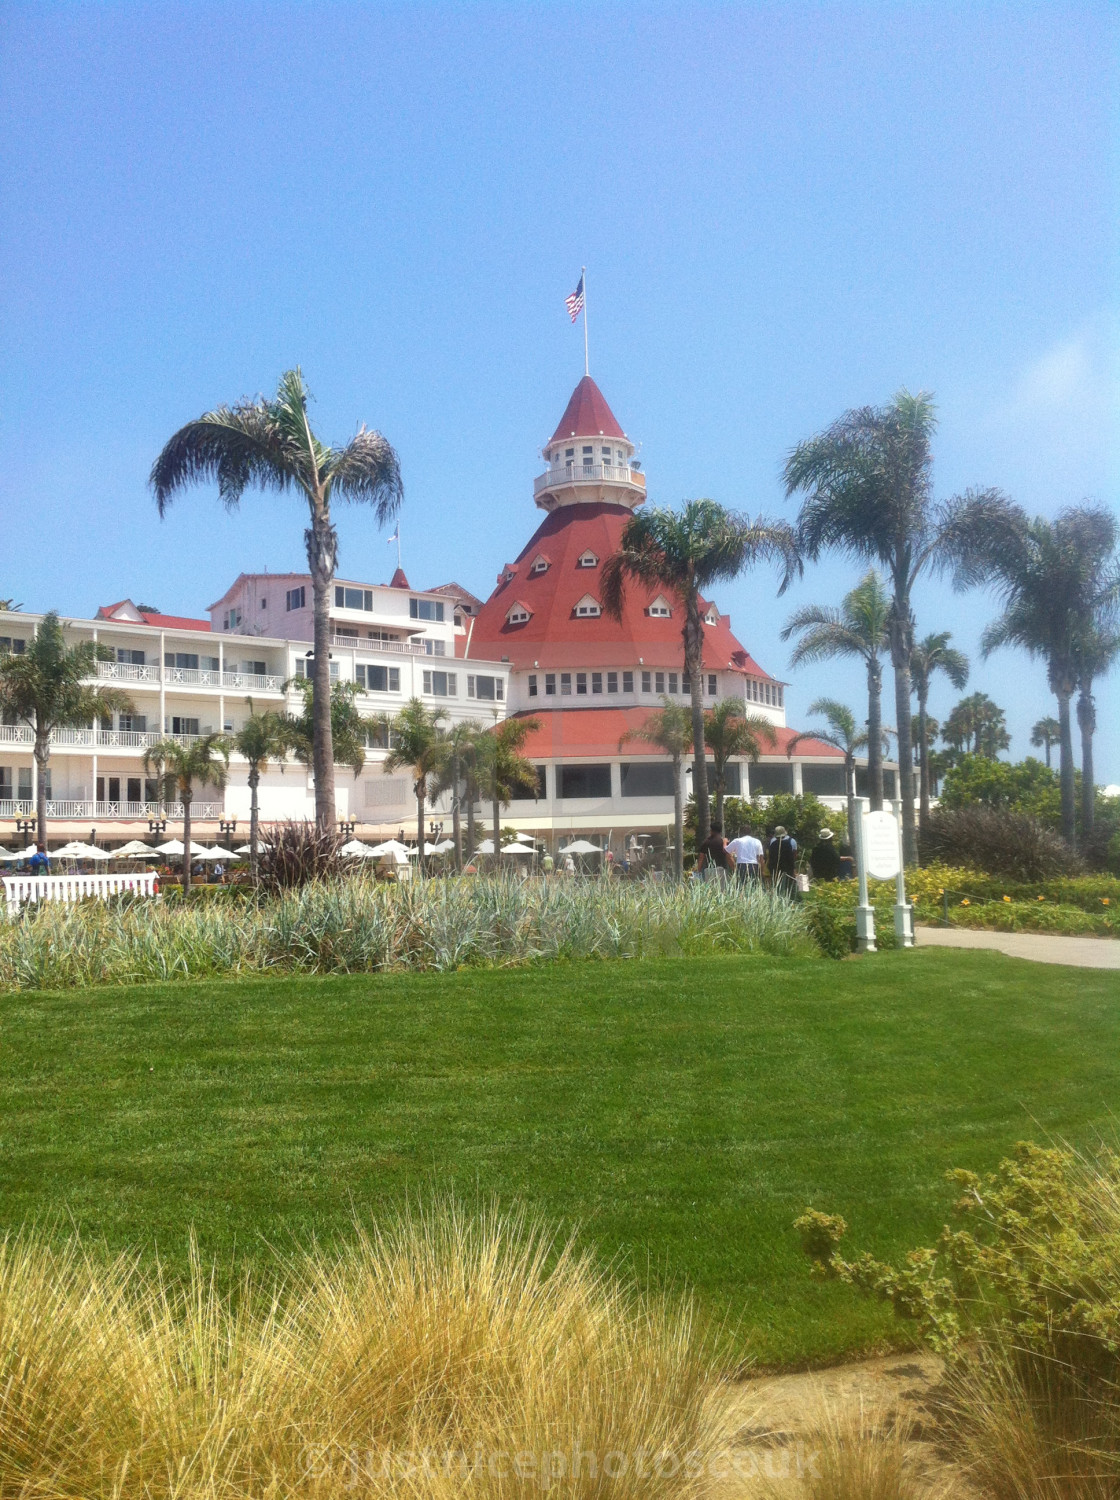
(367, 471)
(239, 447)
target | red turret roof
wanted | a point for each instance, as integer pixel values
(555, 636)
(587, 415)
(399, 581)
(566, 733)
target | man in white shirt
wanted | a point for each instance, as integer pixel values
(746, 851)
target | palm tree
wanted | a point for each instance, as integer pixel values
(270, 444)
(868, 486)
(683, 552)
(1097, 648)
(670, 729)
(728, 731)
(9, 606)
(455, 775)
(843, 734)
(179, 767)
(977, 726)
(860, 627)
(262, 738)
(46, 688)
(350, 729)
(1045, 733)
(933, 654)
(419, 749)
(1056, 581)
(504, 770)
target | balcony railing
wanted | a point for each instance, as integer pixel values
(363, 643)
(93, 739)
(589, 474)
(16, 734)
(245, 682)
(125, 811)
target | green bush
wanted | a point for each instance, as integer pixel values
(1025, 786)
(1023, 1298)
(1014, 845)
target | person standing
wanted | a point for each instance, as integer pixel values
(746, 851)
(782, 859)
(40, 861)
(824, 861)
(715, 862)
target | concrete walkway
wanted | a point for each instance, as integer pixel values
(1042, 947)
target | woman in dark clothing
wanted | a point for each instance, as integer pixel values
(825, 858)
(781, 859)
(713, 853)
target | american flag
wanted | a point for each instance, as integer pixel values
(574, 303)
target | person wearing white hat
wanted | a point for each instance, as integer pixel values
(825, 858)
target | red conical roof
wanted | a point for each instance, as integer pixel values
(587, 415)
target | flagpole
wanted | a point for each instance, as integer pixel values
(583, 276)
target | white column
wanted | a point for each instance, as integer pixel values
(162, 685)
(865, 912)
(903, 912)
(798, 782)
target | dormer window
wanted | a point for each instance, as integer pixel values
(712, 617)
(659, 609)
(587, 560)
(588, 608)
(540, 564)
(519, 614)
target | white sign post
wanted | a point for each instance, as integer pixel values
(903, 911)
(865, 912)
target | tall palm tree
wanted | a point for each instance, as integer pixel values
(670, 729)
(270, 444)
(868, 487)
(1053, 579)
(180, 767)
(683, 552)
(454, 775)
(1046, 732)
(504, 769)
(1097, 648)
(262, 739)
(417, 747)
(729, 731)
(860, 627)
(843, 734)
(46, 688)
(928, 656)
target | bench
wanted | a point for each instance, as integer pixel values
(21, 889)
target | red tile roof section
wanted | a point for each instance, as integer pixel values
(399, 581)
(572, 732)
(176, 622)
(555, 637)
(587, 415)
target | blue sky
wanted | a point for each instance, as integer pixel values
(785, 210)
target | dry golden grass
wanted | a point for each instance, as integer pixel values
(847, 1452)
(447, 1355)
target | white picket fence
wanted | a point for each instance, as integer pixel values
(20, 889)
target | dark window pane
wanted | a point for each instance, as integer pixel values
(823, 781)
(765, 780)
(585, 781)
(647, 778)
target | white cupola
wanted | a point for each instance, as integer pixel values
(589, 458)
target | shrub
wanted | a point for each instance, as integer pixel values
(295, 852)
(404, 1363)
(1025, 786)
(1015, 845)
(1024, 1300)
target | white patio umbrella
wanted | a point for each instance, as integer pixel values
(217, 852)
(444, 846)
(134, 849)
(518, 849)
(77, 850)
(581, 846)
(394, 847)
(248, 848)
(19, 853)
(486, 847)
(174, 847)
(355, 849)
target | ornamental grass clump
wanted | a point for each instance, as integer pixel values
(356, 924)
(1023, 1299)
(446, 1355)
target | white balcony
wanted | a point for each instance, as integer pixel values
(109, 811)
(363, 643)
(193, 677)
(564, 474)
(92, 739)
(16, 734)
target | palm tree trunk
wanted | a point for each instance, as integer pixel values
(693, 634)
(1087, 723)
(875, 732)
(186, 797)
(850, 778)
(678, 819)
(1048, 752)
(456, 813)
(923, 761)
(472, 795)
(497, 826)
(322, 549)
(421, 790)
(1065, 767)
(721, 793)
(254, 823)
(42, 761)
(902, 645)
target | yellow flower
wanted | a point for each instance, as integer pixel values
(966, 902)
(1007, 898)
(1104, 901)
(1042, 898)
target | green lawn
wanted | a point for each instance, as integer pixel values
(681, 1112)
